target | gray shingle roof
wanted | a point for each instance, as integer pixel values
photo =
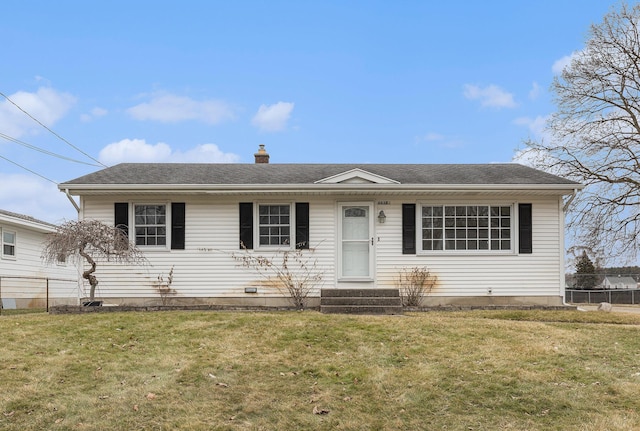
(246, 174)
(25, 218)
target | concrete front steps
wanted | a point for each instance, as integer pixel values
(361, 301)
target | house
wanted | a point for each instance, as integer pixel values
(612, 282)
(491, 233)
(25, 280)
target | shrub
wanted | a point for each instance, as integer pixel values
(414, 284)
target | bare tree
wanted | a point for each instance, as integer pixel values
(90, 240)
(594, 137)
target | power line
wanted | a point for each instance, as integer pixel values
(43, 151)
(29, 170)
(54, 133)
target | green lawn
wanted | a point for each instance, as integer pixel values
(502, 370)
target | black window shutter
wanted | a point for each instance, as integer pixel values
(121, 216)
(525, 230)
(302, 225)
(177, 225)
(408, 228)
(246, 225)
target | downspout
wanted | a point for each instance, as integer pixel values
(79, 265)
(73, 202)
(562, 269)
(571, 198)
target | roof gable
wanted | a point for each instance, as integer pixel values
(356, 176)
(620, 280)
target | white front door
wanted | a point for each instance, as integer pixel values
(355, 251)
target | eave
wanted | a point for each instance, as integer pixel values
(324, 189)
(27, 224)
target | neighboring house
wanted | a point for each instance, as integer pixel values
(23, 274)
(492, 233)
(612, 282)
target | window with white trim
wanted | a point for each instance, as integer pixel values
(274, 225)
(8, 244)
(466, 227)
(150, 225)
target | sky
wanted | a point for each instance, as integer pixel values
(88, 84)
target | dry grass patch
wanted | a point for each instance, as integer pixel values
(304, 370)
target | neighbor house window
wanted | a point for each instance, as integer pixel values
(150, 225)
(8, 244)
(466, 227)
(274, 225)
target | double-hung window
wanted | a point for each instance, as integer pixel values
(150, 223)
(274, 225)
(8, 244)
(466, 227)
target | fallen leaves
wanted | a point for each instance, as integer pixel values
(151, 396)
(320, 411)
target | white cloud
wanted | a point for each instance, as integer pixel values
(536, 125)
(273, 118)
(535, 91)
(440, 141)
(134, 150)
(490, 96)
(46, 105)
(169, 108)
(431, 136)
(93, 114)
(29, 195)
(137, 150)
(560, 64)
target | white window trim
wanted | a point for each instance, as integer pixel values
(256, 229)
(14, 244)
(132, 226)
(513, 229)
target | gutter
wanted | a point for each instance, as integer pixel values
(73, 202)
(315, 188)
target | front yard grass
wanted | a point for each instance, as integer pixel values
(481, 370)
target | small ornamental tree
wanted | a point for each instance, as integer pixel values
(90, 240)
(586, 277)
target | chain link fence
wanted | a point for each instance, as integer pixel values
(36, 293)
(597, 288)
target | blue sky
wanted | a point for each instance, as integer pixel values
(327, 82)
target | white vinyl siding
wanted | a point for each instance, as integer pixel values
(206, 268)
(476, 274)
(24, 275)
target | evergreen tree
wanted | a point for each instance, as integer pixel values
(586, 277)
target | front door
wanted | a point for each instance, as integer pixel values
(355, 242)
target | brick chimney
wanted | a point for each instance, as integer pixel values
(262, 156)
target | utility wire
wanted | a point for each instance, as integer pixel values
(27, 169)
(43, 151)
(54, 133)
